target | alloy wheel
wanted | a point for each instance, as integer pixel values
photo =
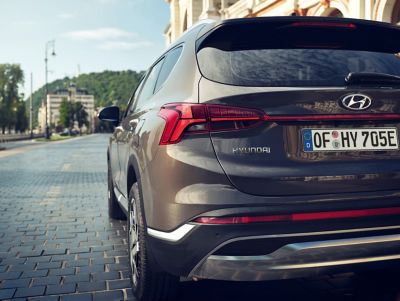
(133, 237)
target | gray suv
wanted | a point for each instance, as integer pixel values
(258, 149)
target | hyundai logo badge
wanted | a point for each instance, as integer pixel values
(356, 102)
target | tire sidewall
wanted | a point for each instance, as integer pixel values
(138, 289)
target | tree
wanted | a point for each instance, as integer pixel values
(21, 124)
(81, 116)
(66, 113)
(11, 77)
(106, 86)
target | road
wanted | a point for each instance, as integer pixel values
(57, 242)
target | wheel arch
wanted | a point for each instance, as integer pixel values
(132, 173)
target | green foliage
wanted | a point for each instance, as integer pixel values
(71, 112)
(12, 111)
(108, 87)
(80, 115)
(65, 113)
(21, 124)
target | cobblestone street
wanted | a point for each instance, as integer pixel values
(57, 242)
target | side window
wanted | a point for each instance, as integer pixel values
(148, 86)
(170, 61)
(134, 97)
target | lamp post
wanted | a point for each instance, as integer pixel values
(31, 108)
(49, 44)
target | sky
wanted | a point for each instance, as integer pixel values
(90, 36)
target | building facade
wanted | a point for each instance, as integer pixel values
(72, 94)
(185, 13)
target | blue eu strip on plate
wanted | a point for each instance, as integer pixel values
(307, 140)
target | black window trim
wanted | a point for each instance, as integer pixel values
(162, 57)
(180, 45)
(131, 99)
(145, 80)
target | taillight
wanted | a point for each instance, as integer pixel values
(183, 118)
(203, 118)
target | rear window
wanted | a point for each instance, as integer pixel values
(292, 53)
(292, 67)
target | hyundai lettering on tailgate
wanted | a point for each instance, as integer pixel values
(366, 139)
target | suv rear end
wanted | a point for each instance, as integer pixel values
(284, 162)
(269, 88)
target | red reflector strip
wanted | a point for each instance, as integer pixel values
(325, 25)
(278, 118)
(294, 217)
(234, 119)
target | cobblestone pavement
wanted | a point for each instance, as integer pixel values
(57, 242)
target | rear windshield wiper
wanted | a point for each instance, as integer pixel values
(372, 79)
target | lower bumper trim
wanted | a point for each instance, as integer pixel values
(301, 259)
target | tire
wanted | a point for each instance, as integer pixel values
(114, 210)
(148, 282)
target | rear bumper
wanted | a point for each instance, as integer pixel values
(282, 250)
(301, 259)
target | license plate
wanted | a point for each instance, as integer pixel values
(366, 139)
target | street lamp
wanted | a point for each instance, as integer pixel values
(49, 44)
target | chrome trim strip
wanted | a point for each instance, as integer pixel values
(173, 236)
(335, 263)
(305, 246)
(301, 259)
(292, 235)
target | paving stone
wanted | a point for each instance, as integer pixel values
(118, 267)
(79, 250)
(123, 259)
(98, 268)
(64, 257)
(91, 286)
(109, 296)
(46, 280)
(60, 289)
(106, 276)
(49, 265)
(22, 267)
(13, 260)
(119, 284)
(38, 259)
(45, 298)
(102, 248)
(34, 274)
(77, 263)
(6, 293)
(54, 251)
(15, 283)
(117, 253)
(94, 255)
(33, 253)
(62, 272)
(77, 278)
(30, 291)
(102, 260)
(77, 297)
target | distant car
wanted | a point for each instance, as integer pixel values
(260, 149)
(65, 133)
(68, 132)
